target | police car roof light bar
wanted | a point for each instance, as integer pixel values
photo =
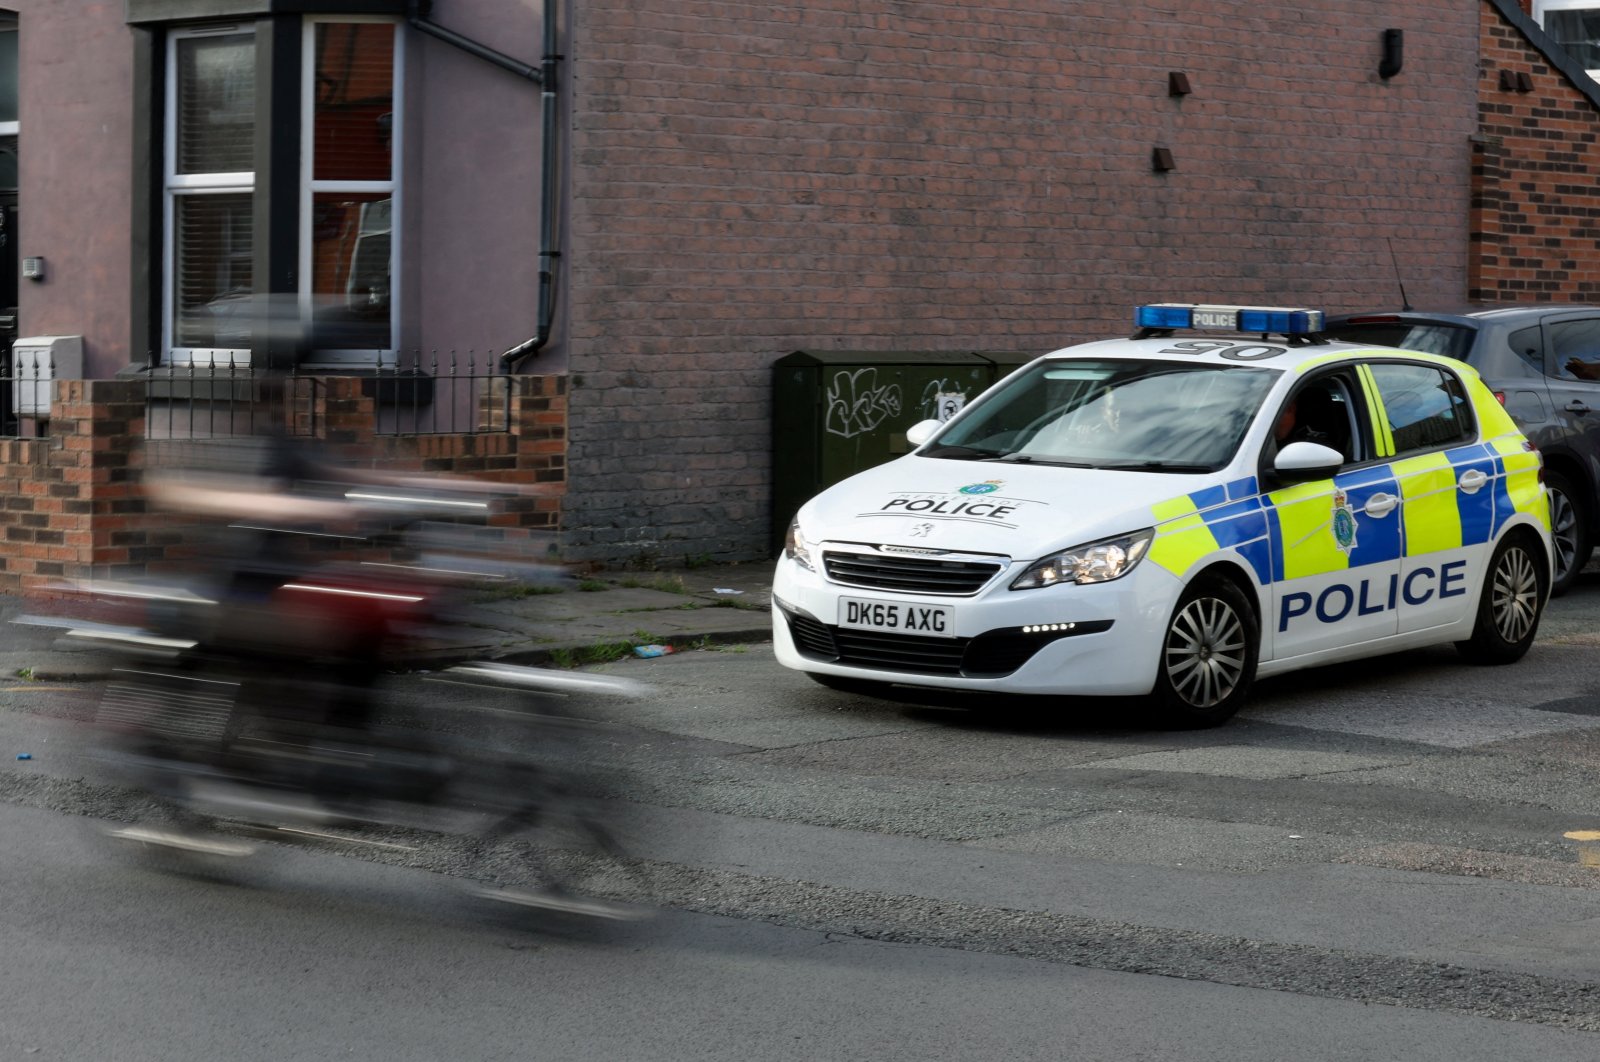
(1304, 325)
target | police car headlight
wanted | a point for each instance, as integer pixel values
(795, 546)
(1097, 562)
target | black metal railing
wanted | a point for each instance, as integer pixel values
(434, 394)
(443, 394)
(448, 394)
(207, 400)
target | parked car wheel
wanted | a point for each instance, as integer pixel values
(1514, 592)
(1570, 527)
(1208, 659)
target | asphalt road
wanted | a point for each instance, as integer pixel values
(1371, 862)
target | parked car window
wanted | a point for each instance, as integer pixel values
(1526, 344)
(1427, 407)
(1452, 341)
(1576, 346)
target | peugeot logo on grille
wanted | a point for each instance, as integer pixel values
(913, 549)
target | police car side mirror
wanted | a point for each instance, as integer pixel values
(1300, 461)
(921, 432)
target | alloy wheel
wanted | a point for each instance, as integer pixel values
(1564, 531)
(1514, 597)
(1205, 652)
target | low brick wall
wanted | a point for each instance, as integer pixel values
(74, 505)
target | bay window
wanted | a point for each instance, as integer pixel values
(320, 173)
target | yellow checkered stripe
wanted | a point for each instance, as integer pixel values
(1304, 515)
(1432, 518)
(1383, 435)
(1182, 537)
(1523, 485)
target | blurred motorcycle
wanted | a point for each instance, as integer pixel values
(250, 702)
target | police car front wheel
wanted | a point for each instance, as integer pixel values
(1208, 658)
(1514, 592)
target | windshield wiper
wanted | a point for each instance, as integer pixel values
(1030, 459)
(1157, 466)
(963, 453)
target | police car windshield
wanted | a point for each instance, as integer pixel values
(1150, 416)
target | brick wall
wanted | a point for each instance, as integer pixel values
(752, 178)
(1535, 202)
(74, 506)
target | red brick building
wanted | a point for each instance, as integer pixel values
(667, 198)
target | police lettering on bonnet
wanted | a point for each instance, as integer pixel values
(1168, 516)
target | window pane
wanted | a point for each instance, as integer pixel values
(8, 76)
(216, 104)
(354, 114)
(1528, 344)
(1576, 345)
(1427, 409)
(1578, 32)
(350, 271)
(212, 270)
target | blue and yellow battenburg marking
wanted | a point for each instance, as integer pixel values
(1306, 529)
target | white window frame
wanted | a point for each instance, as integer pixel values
(1542, 7)
(176, 185)
(309, 188)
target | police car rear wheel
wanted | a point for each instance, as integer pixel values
(1514, 593)
(1208, 660)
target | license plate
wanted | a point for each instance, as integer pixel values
(901, 617)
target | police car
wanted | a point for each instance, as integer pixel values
(1226, 494)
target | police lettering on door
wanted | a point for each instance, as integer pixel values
(1371, 596)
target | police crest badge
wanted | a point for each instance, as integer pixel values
(1344, 523)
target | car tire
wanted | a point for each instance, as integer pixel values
(867, 687)
(1572, 530)
(1208, 656)
(1515, 588)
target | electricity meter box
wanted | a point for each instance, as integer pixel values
(37, 362)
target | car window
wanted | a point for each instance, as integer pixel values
(1526, 344)
(1426, 406)
(1575, 348)
(1139, 415)
(1321, 410)
(1450, 340)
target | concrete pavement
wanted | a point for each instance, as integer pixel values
(592, 618)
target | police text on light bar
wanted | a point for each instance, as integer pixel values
(1284, 320)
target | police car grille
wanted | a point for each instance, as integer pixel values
(928, 575)
(990, 655)
(812, 637)
(900, 652)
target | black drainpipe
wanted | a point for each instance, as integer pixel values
(545, 77)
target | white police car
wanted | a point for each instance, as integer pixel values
(1170, 516)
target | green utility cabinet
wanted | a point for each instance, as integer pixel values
(839, 412)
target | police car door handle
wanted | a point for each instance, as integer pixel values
(1472, 480)
(1380, 505)
(1577, 405)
